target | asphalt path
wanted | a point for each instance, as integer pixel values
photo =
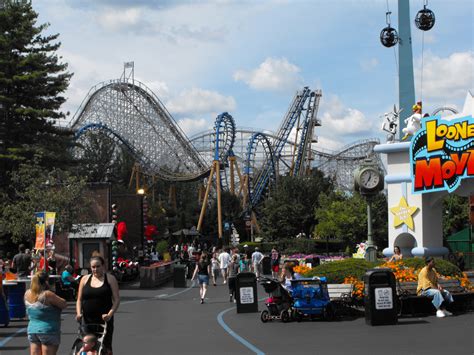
(171, 320)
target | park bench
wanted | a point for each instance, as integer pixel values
(406, 292)
(341, 296)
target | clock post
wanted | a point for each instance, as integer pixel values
(368, 180)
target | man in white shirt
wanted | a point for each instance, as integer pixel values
(224, 260)
(257, 258)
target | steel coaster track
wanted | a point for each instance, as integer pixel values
(296, 108)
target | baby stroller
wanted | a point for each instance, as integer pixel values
(99, 330)
(311, 299)
(278, 302)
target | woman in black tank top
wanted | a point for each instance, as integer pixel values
(98, 300)
(202, 270)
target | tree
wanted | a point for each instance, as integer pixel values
(456, 214)
(32, 79)
(36, 189)
(344, 217)
(290, 208)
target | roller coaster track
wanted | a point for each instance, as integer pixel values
(303, 103)
(130, 113)
(339, 165)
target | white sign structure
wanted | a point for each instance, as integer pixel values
(246, 295)
(415, 221)
(383, 298)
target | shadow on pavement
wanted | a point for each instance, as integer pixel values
(410, 322)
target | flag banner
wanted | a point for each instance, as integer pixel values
(49, 229)
(44, 229)
(39, 226)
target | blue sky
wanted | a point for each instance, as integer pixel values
(202, 58)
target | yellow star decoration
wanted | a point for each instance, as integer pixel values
(403, 214)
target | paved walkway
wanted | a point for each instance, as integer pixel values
(171, 321)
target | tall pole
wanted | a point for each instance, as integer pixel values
(371, 252)
(406, 84)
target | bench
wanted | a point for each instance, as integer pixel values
(341, 295)
(406, 292)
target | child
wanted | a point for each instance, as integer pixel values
(215, 268)
(89, 345)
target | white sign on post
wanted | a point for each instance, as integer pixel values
(383, 298)
(246, 295)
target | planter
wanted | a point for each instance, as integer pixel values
(156, 274)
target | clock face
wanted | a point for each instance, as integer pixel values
(369, 179)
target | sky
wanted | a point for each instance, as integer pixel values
(248, 58)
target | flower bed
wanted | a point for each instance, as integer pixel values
(406, 270)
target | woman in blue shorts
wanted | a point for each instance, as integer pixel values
(202, 270)
(44, 311)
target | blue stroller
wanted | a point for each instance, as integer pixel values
(311, 299)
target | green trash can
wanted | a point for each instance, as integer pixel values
(179, 275)
(380, 297)
(267, 265)
(246, 292)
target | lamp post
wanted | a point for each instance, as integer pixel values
(368, 180)
(141, 193)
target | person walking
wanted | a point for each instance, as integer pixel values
(98, 300)
(215, 268)
(202, 270)
(275, 261)
(44, 312)
(21, 262)
(224, 260)
(244, 263)
(233, 270)
(257, 258)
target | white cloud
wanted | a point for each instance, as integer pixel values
(337, 119)
(192, 126)
(114, 19)
(446, 78)
(272, 74)
(159, 88)
(369, 64)
(199, 101)
(326, 143)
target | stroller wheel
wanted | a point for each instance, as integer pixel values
(285, 316)
(264, 316)
(329, 313)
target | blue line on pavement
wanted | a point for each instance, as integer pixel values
(6, 340)
(235, 335)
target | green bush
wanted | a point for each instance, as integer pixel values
(443, 267)
(337, 271)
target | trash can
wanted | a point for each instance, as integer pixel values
(380, 297)
(179, 275)
(16, 302)
(267, 265)
(246, 290)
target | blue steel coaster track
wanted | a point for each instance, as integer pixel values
(262, 175)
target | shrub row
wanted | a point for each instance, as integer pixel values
(337, 271)
(293, 246)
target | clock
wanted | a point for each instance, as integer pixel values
(368, 179)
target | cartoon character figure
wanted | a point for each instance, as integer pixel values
(361, 249)
(390, 123)
(413, 122)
